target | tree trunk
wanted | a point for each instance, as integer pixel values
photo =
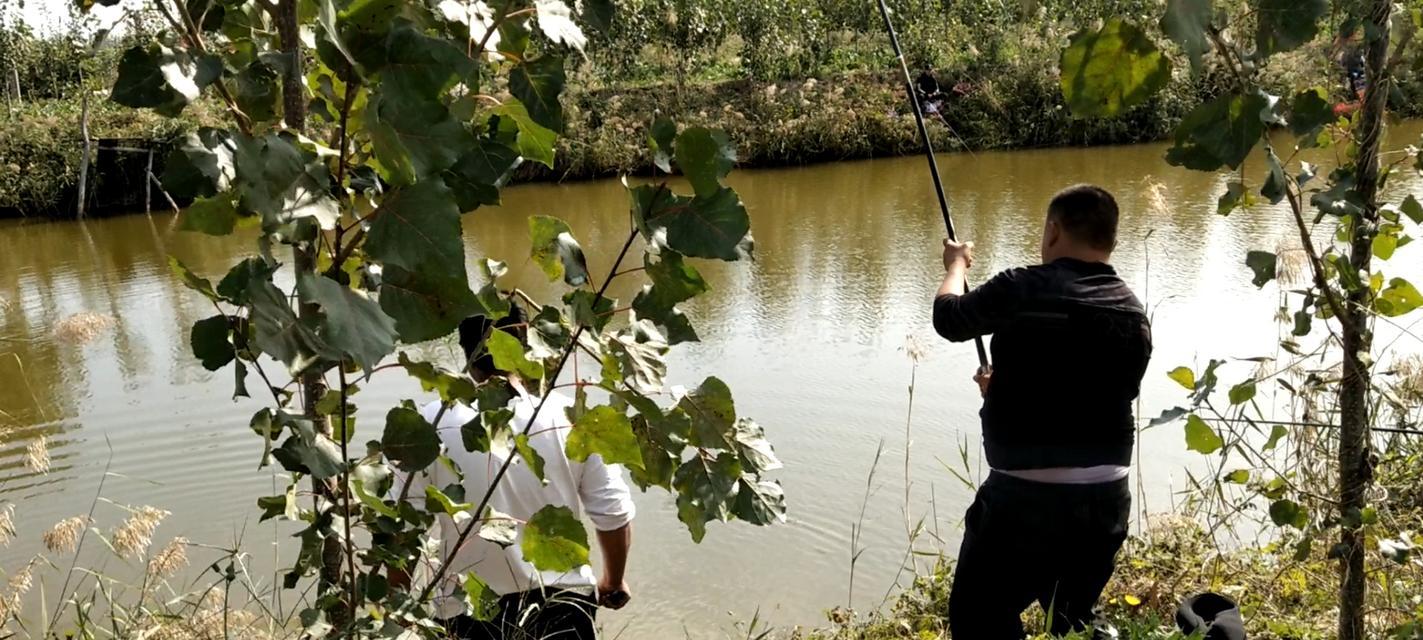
(1355, 470)
(304, 261)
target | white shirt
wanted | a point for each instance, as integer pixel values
(589, 488)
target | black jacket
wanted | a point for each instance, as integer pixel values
(1070, 346)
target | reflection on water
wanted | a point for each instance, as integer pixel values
(811, 338)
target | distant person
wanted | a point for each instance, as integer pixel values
(1349, 54)
(1070, 345)
(931, 98)
(532, 604)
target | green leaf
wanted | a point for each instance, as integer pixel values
(554, 540)
(1242, 393)
(1384, 245)
(1275, 188)
(409, 441)
(556, 252)
(1187, 23)
(201, 165)
(1399, 298)
(257, 93)
(500, 528)
(755, 452)
(759, 502)
(278, 332)
(417, 67)
(453, 387)
(308, 451)
(641, 356)
(1341, 199)
(661, 139)
(371, 500)
(279, 179)
(588, 309)
(413, 137)
(426, 306)
(163, 79)
(1412, 209)
(658, 464)
(706, 489)
(713, 414)
(1310, 111)
(1276, 433)
(556, 22)
(213, 216)
(705, 157)
(548, 334)
(711, 226)
(1283, 25)
(483, 601)
(508, 354)
(417, 228)
(673, 282)
(1169, 415)
(607, 432)
(537, 83)
(1200, 437)
(1263, 263)
(1108, 71)
(535, 141)
(1233, 198)
(351, 322)
(1218, 133)
(598, 14)
(190, 279)
(1184, 377)
(530, 456)
(210, 342)
(476, 178)
(1239, 476)
(437, 502)
(1287, 513)
(326, 17)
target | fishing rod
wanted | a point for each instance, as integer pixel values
(928, 152)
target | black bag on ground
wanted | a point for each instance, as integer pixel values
(1212, 613)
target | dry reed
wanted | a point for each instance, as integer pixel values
(136, 534)
(170, 559)
(82, 327)
(64, 536)
(37, 455)
(7, 524)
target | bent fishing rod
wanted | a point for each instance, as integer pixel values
(928, 152)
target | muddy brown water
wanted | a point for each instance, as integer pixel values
(812, 337)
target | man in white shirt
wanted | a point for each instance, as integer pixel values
(532, 604)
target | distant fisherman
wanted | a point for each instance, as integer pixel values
(1070, 345)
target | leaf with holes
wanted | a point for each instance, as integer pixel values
(713, 414)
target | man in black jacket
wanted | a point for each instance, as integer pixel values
(1070, 345)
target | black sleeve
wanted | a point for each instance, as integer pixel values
(981, 311)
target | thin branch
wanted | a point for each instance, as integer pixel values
(533, 418)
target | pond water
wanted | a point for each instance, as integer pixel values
(811, 337)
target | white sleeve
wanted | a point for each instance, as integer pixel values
(605, 495)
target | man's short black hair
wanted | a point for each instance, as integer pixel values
(1087, 213)
(474, 330)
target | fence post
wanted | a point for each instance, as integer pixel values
(148, 186)
(84, 160)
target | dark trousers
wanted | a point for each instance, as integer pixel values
(1030, 541)
(533, 615)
